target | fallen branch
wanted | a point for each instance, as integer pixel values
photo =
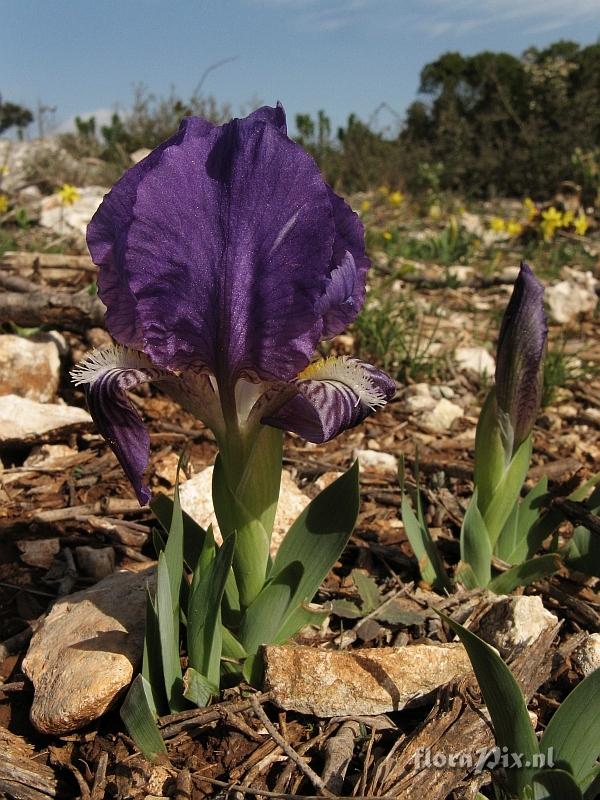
(173, 724)
(71, 311)
(312, 776)
(23, 260)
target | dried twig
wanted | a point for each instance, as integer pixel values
(236, 787)
(316, 781)
(173, 724)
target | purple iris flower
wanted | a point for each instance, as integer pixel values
(520, 355)
(224, 260)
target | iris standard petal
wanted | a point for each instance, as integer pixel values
(521, 348)
(226, 250)
(332, 395)
(106, 375)
(107, 242)
(345, 290)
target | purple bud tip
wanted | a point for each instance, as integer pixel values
(521, 348)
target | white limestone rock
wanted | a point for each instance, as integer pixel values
(29, 369)
(331, 683)
(196, 500)
(85, 653)
(475, 359)
(573, 297)
(442, 416)
(23, 420)
(515, 622)
(376, 461)
(71, 219)
(587, 655)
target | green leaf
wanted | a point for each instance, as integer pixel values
(193, 534)
(298, 619)
(489, 452)
(505, 703)
(260, 483)
(523, 574)
(316, 541)
(254, 670)
(318, 536)
(475, 546)
(507, 491)
(252, 552)
(593, 501)
(514, 545)
(590, 785)
(158, 541)
(232, 647)
(428, 558)
(245, 494)
(204, 609)
(367, 589)
(464, 574)
(508, 538)
(139, 717)
(307, 553)
(578, 495)
(554, 516)
(173, 551)
(198, 689)
(394, 614)
(555, 784)
(266, 615)
(573, 733)
(152, 658)
(346, 609)
(583, 552)
(168, 625)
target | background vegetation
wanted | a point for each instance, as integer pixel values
(486, 125)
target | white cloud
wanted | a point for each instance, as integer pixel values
(326, 15)
(458, 17)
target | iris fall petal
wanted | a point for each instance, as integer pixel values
(333, 395)
(106, 375)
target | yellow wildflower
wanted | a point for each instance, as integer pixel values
(551, 220)
(396, 198)
(383, 190)
(531, 208)
(567, 218)
(365, 205)
(387, 236)
(3, 204)
(497, 224)
(435, 211)
(68, 194)
(4, 169)
(513, 228)
(581, 224)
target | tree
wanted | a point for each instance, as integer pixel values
(14, 116)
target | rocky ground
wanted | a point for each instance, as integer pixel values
(69, 522)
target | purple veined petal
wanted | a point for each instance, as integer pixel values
(345, 291)
(107, 242)
(274, 116)
(106, 375)
(223, 253)
(332, 395)
(520, 354)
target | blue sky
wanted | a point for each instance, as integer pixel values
(84, 56)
